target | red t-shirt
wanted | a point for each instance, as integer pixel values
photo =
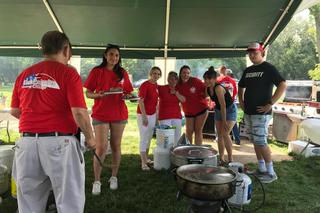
(169, 107)
(149, 93)
(230, 84)
(194, 92)
(45, 94)
(111, 107)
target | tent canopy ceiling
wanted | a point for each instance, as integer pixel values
(195, 29)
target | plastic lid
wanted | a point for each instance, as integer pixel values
(205, 174)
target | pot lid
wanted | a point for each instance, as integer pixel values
(194, 151)
(205, 174)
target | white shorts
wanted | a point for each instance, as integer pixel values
(42, 163)
(176, 123)
(146, 132)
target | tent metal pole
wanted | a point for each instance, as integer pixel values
(53, 16)
(166, 38)
(278, 22)
(127, 48)
(19, 47)
(207, 49)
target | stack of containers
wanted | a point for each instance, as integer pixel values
(165, 141)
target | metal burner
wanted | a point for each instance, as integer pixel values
(199, 206)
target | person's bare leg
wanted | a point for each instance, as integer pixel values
(258, 152)
(101, 135)
(190, 128)
(198, 127)
(227, 140)
(144, 159)
(115, 143)
(220, 140)
(265, 153)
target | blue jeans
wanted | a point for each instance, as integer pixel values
(257, 128)
(235, 132)
(231, 113)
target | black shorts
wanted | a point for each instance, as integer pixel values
(197, 114)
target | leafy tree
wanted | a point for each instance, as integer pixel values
(10, 67)
(294, 51)
(315, 73)
(315, 12)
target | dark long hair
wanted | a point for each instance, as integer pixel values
(183, 67)
(210, 73)
(117, 68)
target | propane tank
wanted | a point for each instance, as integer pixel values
(243, 192)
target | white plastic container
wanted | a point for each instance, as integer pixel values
(235, 166)
(297, 146)
(311, 128)
(4, 179)
(243, 192)
(312, 151)
(161, 158)
(165, 138)
(6, 156)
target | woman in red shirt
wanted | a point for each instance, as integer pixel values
(169, 105)
(148, 93)
(196, 106)
(109, 112)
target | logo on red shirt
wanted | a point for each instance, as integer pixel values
(40, 81)
(193, 90)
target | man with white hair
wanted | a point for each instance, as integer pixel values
(49, 103)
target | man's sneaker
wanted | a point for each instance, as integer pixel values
(237, 142)
(96, 188)
(113, 183)
(269, 178)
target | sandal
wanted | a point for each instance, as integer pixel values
(223, 163)
(145, 167)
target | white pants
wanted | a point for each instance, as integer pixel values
(146, 132)
(42, 163)
(176, 123)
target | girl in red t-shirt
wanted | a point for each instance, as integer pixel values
(169, 104)
(196, 106)
(107, 84)
(148, 93)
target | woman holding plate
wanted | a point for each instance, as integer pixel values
(107, 84)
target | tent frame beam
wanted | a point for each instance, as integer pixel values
(128, 48)
(285, 11)
(53, 15)
(166, 36)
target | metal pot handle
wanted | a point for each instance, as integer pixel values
(195, 161)
(194, 152)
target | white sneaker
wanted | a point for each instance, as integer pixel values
(96, 188)
(113, 183)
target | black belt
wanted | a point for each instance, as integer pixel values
(45, 134)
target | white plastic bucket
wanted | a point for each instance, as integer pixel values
(6, 156)
(165, 138)
(161, 158)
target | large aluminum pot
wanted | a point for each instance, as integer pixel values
(192, 154)
(204, 182)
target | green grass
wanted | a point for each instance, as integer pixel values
(297, 189)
